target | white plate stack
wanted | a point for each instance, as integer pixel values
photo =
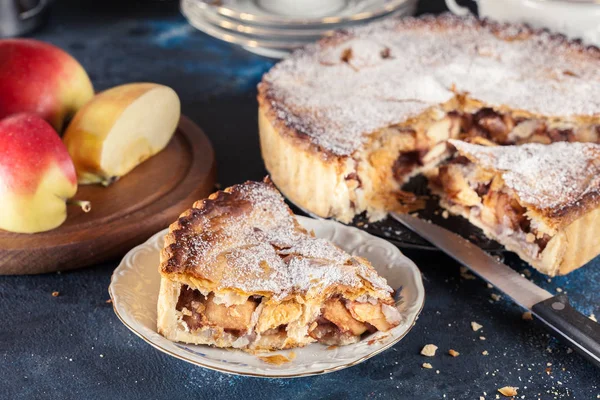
(274, 28)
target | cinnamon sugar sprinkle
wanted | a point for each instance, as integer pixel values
(545, 176)
(249, 240)
(344, 87)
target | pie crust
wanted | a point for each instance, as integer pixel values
(346, 121)
(237, 270)
(540, 201)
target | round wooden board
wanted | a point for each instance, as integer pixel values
(124, 214)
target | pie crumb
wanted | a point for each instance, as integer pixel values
(527, 316)
(429, 350)
(109, 301)
(55, 294)
(427, 365)
(464, 273)
(593, 318)
(278, 359)
(508, 391)
(485, 352)
(495, 297)
(445, 214)
(490, 286)
(453, 353)
(475, 326)
(481, 337)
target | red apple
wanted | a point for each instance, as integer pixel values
(40, 78)
(37, 175)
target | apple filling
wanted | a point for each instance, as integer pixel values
(337, 321)
(425, 145)
(481, 195)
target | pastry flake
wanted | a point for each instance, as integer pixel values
(237, 270)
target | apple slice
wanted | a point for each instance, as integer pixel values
(37, 175)
(119, 129)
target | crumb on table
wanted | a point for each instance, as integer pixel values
(429, 350)
(508, 391)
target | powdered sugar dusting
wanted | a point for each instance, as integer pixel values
(545, 176)
(311, 247)
(307, 273)
(249, 240)
(343, 88)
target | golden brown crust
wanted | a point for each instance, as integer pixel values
(555, 238)
(350, 150)
(179, 247)
(564, 215)
(237, 270)
(557, 183)
(245, 239)
(300, 129)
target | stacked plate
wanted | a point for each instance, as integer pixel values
(273, 28)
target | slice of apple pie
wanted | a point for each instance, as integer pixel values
(237, 270)
(540, 201)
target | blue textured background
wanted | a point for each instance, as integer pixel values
(73, 346)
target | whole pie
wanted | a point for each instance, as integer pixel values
(346, 121)
(540, 201)
(237, 270)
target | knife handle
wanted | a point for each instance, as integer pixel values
(582, 333)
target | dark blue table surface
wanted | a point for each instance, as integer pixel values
(73, 346)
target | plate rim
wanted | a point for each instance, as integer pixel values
(282, 47)
(323, 21)
(420, 298)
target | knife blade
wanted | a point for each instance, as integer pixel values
(554, 312)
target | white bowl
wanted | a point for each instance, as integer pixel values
(576, 19)
(134, 293)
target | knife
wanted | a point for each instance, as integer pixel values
(554, 312)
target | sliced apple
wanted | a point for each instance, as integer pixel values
(36, 175)
(119, 129)
(335, 311)
(370, 313)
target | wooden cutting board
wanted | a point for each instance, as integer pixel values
(124, 214)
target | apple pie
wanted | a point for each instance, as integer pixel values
(540, 201)
(346, 121)
(237, 270)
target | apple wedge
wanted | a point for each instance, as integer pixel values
(37, 176)
(119, 129)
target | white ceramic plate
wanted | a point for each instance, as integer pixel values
(134, 292)
(301, 13)
(271, 40)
